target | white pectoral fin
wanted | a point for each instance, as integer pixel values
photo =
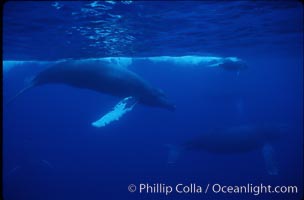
(120, 109)
(270, 160)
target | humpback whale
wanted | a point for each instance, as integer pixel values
(100, 77)
(233, 65)
(239, 139)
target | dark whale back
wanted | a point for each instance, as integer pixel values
(235, 139)
(103, 78)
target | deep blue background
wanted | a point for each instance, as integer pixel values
(52, 123)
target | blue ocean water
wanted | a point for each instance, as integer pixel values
(50, 148)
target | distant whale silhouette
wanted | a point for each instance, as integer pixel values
(235, 140)
(233, 65)
(103, 78)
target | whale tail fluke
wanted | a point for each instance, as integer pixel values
(174, 152)
(270, 160)
(19, 93)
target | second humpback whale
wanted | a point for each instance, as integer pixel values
(103, 78)
(234, 140)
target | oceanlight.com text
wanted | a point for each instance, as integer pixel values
(254, 189)
(194, 188)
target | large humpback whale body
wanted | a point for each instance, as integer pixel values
(233, 140)
(104, 78)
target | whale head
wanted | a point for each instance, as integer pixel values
(274, 132)
(157, 98)
(233, 65)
